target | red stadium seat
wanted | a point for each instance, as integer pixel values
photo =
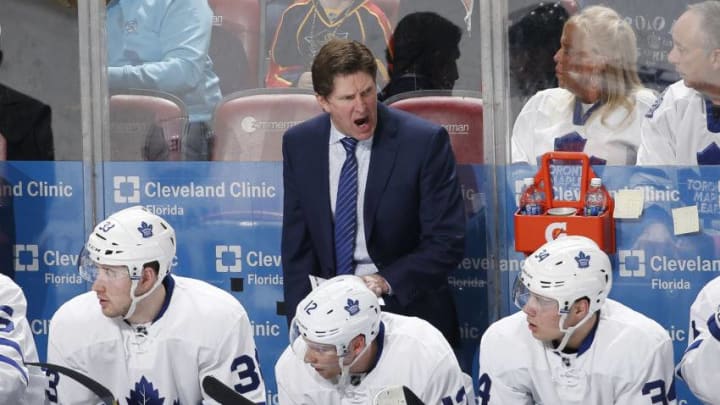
(249, 125)
(146, 125)
(242, 19)
(461, 113)
(3, 148)
(390, 8)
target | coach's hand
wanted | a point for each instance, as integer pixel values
(377, 284)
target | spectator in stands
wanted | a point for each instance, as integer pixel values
(599, 104)
(424, 54)
(534, 39)
(306, 26)
(683, 126)
(466, 15)
(25, 125)
(163, 45)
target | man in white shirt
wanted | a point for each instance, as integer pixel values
(345, 350)
(683, 127)
(570, 344)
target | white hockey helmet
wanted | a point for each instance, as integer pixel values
(567, 269)
(131, 237)
(337, 311)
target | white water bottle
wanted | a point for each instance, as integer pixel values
(532, 200)
(595, 202)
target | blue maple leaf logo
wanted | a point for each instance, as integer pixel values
(146, 230)
(582, 260)
(353, 307)
(144, 394)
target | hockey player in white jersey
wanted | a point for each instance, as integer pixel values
(600, 102)
(147, 335)
(700, 365)
(683, 126)
(345, 350)
(570, 344)
(19, 384)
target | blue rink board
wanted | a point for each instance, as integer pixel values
(228, 219)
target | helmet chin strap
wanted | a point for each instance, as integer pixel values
(135, 300)
(569, 330)
(344, 379)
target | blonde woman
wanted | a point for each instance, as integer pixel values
(600, 102)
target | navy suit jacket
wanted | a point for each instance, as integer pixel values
(413, 214)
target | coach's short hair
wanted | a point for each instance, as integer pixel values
(340, 57)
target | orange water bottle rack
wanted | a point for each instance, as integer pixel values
(564, 216)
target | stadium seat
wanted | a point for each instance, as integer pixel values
(390, 8)
(3, 148)
(249, 125)
(460, 112)
(146, 125)
(241, 18)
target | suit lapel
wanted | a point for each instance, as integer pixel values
(318, 187)
(382, 160)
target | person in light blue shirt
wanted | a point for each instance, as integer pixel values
(163, 45)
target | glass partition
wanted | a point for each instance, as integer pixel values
(181, 107)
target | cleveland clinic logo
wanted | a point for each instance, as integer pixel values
(631, 263)
(126, 189)
(26, 258)
(228, 258)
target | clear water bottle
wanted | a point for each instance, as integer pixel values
(595, 202)
(532, 199)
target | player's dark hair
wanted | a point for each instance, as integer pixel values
(340, 57)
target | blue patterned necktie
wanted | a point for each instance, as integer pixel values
(346, 210)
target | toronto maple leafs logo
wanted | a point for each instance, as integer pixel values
(146, 230)
(582, 260)
(353, 307)
(572, 142)
(144, 394)
(542, 255)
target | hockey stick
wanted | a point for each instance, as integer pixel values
(397, 395)
(98, 389)
(222, 393)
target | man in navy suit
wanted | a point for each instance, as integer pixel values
(410, 219)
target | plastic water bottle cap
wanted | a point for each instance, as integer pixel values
(595, 182)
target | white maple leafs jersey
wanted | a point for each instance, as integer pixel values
(699, 366)
(19, 384)
(202, 331)
(413, 353)
(628, 361)
(680, 129)
(551, 121)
